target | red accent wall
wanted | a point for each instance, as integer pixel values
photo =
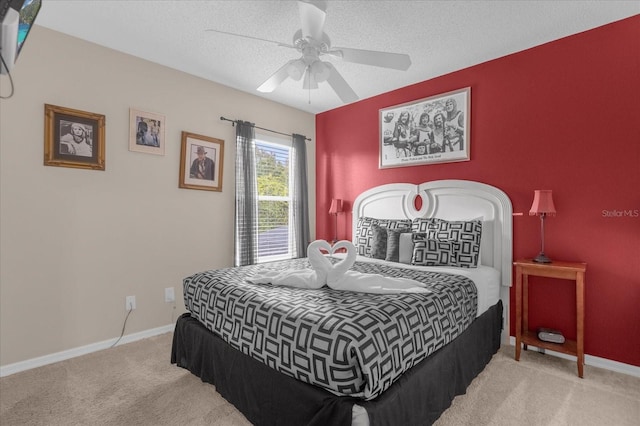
(563, 116)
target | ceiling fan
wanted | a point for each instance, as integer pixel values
(312, 42)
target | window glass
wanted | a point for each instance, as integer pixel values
(273, 174)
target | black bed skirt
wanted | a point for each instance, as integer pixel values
(267, 397)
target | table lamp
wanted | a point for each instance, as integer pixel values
(335, 209)
(542, 206)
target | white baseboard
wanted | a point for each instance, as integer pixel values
(17, 367)
(594, 361)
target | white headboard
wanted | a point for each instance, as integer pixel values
(451, 200)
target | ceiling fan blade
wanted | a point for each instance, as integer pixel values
(276, 79)
(312, 15)
(397, 61)
(340, 86)
(252, 38)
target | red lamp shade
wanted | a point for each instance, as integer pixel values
(542, 203)
(336, 206)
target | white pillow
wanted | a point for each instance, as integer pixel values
(406, 248)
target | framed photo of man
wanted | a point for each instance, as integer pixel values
(146, 132)
(427, 131)
(201, 159)
(73, 138)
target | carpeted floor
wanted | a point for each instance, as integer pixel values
(135, 384)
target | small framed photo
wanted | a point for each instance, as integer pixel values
(146, 132)
(426, 131)
(201, 160)
(73, 138)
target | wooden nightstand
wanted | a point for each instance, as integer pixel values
(565, 270)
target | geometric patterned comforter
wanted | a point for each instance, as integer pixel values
(354, 344)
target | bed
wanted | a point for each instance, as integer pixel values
(259, 369)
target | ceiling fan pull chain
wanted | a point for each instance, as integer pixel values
(309, 83)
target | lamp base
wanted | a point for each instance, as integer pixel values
(542, 258)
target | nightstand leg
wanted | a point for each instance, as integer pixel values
(581, 366)
(580, 322)
(518, 311)
(525, 305)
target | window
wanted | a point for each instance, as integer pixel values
(274, 179)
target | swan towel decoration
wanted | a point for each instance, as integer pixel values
(301, 278)
(337, 276)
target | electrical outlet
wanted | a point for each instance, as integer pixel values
(130, 303)
(169, 295)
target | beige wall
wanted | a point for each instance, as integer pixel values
(74, 243)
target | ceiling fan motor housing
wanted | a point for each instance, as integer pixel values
(311, 49)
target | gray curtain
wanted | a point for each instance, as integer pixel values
(301, 233)
(246, 229)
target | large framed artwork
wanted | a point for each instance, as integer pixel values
(201, 160)
(146, 132)
(73, 138)
(426, 131)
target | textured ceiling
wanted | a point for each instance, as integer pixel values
(440, 36)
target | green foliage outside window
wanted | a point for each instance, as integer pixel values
(272, 166)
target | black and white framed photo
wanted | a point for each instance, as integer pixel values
(427, 131)
(73, 138)
(146, 132)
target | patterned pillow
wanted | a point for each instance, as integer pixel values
(378, 242)
(364, 231)
(393, 244)
(364, 234)
(467, 235)
(431, 252)
(395, 223)
(427, 226)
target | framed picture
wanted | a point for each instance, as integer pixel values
(146, 132)
(73, 138)
(201, 162)
(426, 131)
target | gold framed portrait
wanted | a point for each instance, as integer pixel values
(73, 138)
(201, 162)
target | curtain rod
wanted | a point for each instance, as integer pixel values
(262, 128)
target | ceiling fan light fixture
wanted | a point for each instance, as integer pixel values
(320, 71)
(296, 69)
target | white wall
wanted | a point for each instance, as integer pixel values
(73, 242)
